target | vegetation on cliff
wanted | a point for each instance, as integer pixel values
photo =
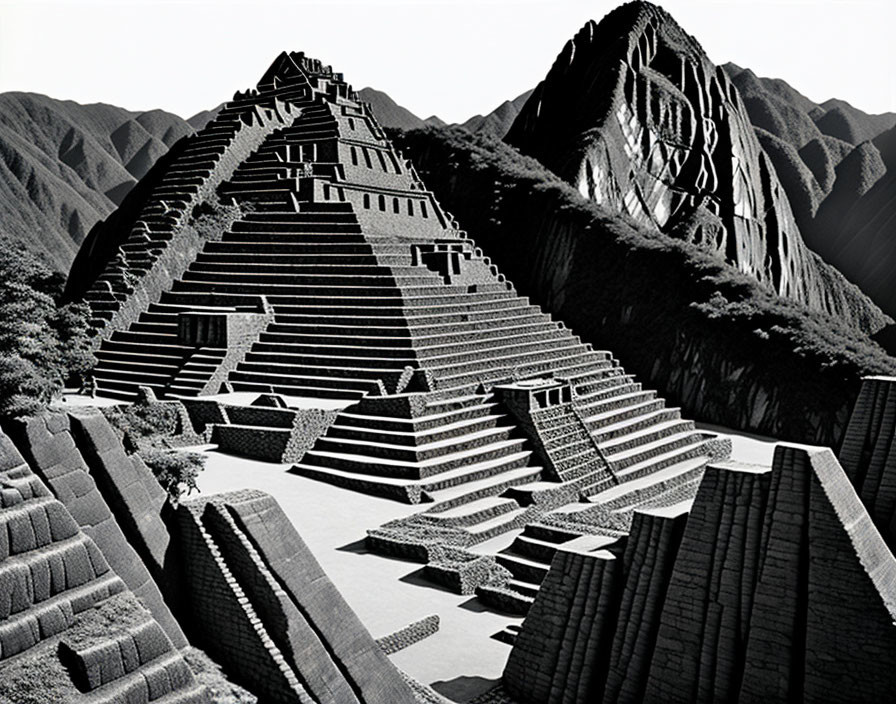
(42, 343)
(709, 337)
(636, 117)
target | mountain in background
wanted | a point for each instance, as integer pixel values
(837, 165)
(636, 117)
(64, 166)
(499, 120)
(392, 115)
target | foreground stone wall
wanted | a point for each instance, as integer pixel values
(776, 587)
(46, 443)
(269, 612)
(70, 630)
(129, 488)
(868, 455)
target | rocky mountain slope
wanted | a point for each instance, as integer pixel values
(637, 118)
(711, 339)
(499, 120)
(836, 165)
(64, 166)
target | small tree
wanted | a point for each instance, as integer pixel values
(42, 344)
(175, 470)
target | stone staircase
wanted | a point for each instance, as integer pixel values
(206, 160)
(379, 299)
(228, 274)
(68, 615)
(453, 451)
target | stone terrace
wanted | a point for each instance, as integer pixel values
(67, 615)
(332, 272)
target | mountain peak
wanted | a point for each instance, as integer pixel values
(636, 117)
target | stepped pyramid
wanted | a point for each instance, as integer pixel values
(288, 249)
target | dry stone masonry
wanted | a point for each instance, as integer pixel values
(47, 444)
(86, 552)
(458, 391)
(868, 454)
(773, 586)
(70, 629)
(289, 255)
(266, 609)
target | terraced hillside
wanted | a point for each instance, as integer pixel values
(288, 249)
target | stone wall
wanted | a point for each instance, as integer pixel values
(710, 595)
(270, 434)
(776, 587)
(254, 442)
(267, 610)
(410, 634)
(548, 662)
(224, 622)
(868, 455)
(384, 222)
(243, 330)
(373, 678)
(204, 414)
(129, 488)
(47, 445)
(70, 630)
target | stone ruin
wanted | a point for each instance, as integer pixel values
(288, 630)
(71, 627)
(287, 250)
(630, 622)
(98, 572)
(773, 584)
(374, 297)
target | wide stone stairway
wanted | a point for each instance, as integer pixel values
(289, 250)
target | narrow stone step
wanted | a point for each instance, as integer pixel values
(525, 569)
(493, 527)
(472, 512)
(424, 469)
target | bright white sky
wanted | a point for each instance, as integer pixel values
(452, 58)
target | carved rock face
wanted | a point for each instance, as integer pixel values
(638, 119)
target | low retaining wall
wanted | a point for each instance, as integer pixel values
(410, 634)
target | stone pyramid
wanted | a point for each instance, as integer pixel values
(288, 249)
